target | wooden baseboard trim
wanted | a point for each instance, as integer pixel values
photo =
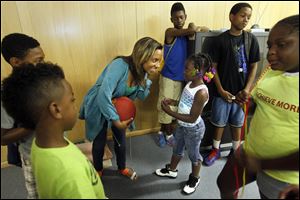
(138, 132)
(4, 164)
(109, 137)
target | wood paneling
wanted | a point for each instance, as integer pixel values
(83, 37)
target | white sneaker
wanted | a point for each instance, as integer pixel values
(166, 172)
(191, 185)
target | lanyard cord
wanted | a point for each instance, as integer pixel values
(244, 132)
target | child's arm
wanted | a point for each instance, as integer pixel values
(289, 162)
(171, 33)
(254, 164)
(200, 97)
(9, 136)
(198, 29)
(227, 96)
(242, 96)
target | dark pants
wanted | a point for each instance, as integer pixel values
(13, 154)
(119, 137)
(226, 180)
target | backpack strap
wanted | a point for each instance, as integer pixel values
(170, 49)
(247, 42)
(164, 60)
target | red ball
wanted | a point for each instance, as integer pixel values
(125, 108)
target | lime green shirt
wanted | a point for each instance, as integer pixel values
(65, 173)
(274, 129)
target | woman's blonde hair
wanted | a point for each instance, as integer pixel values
(143, 49)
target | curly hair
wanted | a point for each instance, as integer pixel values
(202, 62)
(17, 45)
(29, 89)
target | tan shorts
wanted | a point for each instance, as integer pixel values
(168, 89)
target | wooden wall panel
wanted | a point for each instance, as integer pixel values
(83, 37)
(9, 23)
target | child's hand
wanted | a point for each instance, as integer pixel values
(165, 105)
(168, 101)
(202, 29)
(192, 26)
(242, 97)
(227, 96)
(251, 163)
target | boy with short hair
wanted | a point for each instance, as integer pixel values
(235, 58)
(17, 49)
(41, 99)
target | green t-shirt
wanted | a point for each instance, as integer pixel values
(65, 173)
(274, 129)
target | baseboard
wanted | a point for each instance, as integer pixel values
(109, 137)
(4, 164)
(138, 132)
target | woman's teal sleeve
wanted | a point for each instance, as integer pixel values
(143, 92)
(111, 81)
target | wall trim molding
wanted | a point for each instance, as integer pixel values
(138, 132)
(109, 137)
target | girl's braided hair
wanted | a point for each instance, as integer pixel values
(202, 62)
(203, 66)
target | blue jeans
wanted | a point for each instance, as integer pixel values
(224, 112)
(119, 147)
(189, 138)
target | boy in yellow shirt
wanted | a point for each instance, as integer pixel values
(41, 99)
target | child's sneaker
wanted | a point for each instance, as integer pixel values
(170, 140)
(129, 172)
(212, 157)
(161, 140)
(166, 172)
(230, 153)
(191, 184)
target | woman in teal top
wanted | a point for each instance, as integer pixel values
(124, 76)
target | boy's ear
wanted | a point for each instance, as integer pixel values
(231, 16)
(15, 62)
(55, 110)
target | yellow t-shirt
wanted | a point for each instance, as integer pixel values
(65, 173)
(274, 129)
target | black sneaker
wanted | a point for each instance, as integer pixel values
(191, 184)
(166, 172)
(230, 153)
